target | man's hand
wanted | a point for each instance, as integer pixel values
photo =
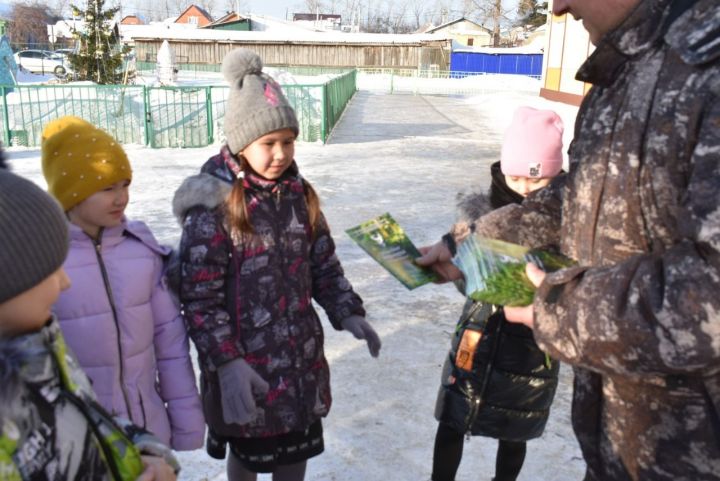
(437, 257)
(525, 315)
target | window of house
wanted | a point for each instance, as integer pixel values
(470, 42)
(192, 19)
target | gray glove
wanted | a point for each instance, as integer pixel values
(361, 329)
(237, 382)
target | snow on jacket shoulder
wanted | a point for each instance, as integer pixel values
(127, 332)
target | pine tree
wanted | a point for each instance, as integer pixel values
(100, 54)
(532, 12)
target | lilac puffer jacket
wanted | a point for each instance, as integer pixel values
(128, 335)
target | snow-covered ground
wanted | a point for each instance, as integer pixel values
(407, 155)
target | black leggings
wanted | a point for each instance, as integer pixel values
(448, 453)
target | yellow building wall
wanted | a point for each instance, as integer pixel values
(480, 40)
(567, 46)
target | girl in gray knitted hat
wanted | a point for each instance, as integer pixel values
(255, 251)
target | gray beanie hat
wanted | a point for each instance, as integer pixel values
(256, 105)
(33, 235)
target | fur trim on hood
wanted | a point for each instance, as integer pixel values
(203, 190)
(472, 205)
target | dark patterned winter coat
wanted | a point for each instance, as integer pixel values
(253, 300)
(51, 427)
(508, 391)
(640, 317)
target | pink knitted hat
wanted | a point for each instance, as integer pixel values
(532, 146)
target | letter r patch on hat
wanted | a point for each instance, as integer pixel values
(535, 170)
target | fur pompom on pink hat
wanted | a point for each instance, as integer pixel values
(532, 146)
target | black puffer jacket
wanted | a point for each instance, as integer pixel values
(511, 383)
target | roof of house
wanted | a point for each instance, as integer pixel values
(272, 31)
(199, 9)
(461, 19)
(315, 16)
(131, 17)
(230, 17)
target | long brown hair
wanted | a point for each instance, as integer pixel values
(237, 211)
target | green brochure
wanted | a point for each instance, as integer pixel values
(494, 270)
(387, 243)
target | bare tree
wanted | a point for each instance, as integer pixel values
(332, 6)
(313, 6)
(493, 12)
(440, 12)
(349, 10)
(417, 7)
(209, 6)
(397, 18)
(29, 25)
(237, 6)
(60, 7)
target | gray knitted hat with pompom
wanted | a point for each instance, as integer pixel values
(256, 105)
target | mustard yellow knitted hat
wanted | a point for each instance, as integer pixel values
(78, 159)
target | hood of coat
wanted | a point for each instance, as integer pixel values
(111, 236)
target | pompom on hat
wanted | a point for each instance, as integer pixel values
(532, 146)
(79, 159)
(256, 105)
(34, 239)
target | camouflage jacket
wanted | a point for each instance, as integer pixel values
(51, 428)
(254, 299)
(640, 319)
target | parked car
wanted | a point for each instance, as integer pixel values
(65, 51)
(42, 61)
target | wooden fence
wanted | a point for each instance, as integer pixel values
(433, 54)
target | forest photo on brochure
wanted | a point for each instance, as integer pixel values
(387, 243)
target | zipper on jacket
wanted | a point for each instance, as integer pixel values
(142, 409)
(108, 290)
(297, 363)
(479, 399)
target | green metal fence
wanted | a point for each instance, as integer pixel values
(161, 116)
